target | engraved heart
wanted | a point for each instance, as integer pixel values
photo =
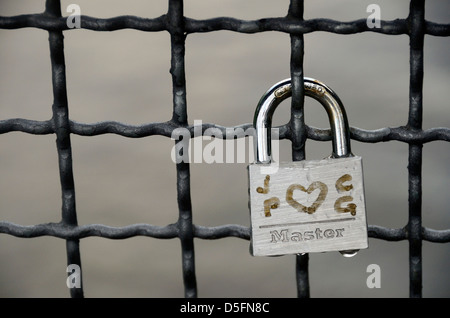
(314, 186)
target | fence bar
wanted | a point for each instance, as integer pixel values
(417, 26)
(297, 127)
(62, 130)
(185, 224)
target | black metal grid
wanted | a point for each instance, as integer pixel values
(179, 26)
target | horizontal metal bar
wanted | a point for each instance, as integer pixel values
(402, 133)
(170, 231)
(294, 26)
(436, 236)
(34, 127)
(46, 22)
(387, 234)
(78, 232)
(281, 24)
(218, 232)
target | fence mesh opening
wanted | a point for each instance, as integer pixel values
(180, 62)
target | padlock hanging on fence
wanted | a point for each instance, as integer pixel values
(311, 205)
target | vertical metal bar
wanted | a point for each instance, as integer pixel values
(62, 129)
(417, 31)
(185, 223)
(297, 127)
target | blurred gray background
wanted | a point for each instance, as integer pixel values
(124, 76)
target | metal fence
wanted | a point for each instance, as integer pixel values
(179, 27)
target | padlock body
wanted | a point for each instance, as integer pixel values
(307, 206)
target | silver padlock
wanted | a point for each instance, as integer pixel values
(306, 206)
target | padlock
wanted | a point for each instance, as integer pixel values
(306, 206)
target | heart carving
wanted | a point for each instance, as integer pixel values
(314, 186)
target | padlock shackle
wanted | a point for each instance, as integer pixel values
(262, 121)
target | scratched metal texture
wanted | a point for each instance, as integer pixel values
(179, 27)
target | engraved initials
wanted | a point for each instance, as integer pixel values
(271, 203)
(339, 183)
(300, 207)
(274, 202)
(342, 188)
(264, 190)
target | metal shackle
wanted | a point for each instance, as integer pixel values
(262, 121)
